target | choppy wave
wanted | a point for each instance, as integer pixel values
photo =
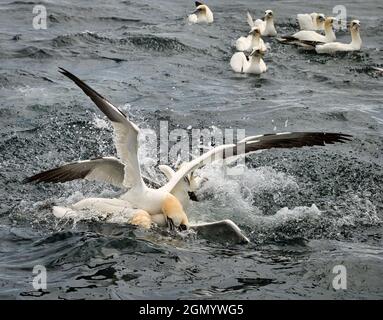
(34, 52)
(269, 204)
(144, 42)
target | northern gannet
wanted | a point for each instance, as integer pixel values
(266, 26)
(202, 14)
(354, 45)
(252, 41)
(146, 205)
(304, 37)
(313, 21)
(239, 62)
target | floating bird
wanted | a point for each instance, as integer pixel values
(252, 41)
(266, 25)
(146, 205)
(202, 14)
(354, 45)
(313, 21)
(304, 37)
(239, 62)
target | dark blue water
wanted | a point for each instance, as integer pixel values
(305, 210)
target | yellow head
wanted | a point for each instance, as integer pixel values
(329, 22)
(173, 211)
(201, 9)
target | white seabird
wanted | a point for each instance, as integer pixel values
(146, 205)
(354, 45)
(239, 62)
(313, 21)
(252, 41)
(304, 37)
(266, 26)
(202, 14)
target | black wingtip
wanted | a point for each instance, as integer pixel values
(32, 179)
(343, 137)
(63, 71)
(26, 180)
(68, 74)
(197, 3)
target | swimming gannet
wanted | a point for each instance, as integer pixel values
(266, 26)
(301, 37)
(202, 14)
(355, 45)
(252, 41)
(313, 21)
(145, 205)
(252, 64)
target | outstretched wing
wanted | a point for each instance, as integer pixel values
(292, 140)
(107, 169)
(305, 21)
(249, 19)
(125, 133)
(256, 143)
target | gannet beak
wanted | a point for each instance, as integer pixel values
(257, 52)
(174, 213)
(172, 226)
(353, 24)
(268, 14)
(254, 31)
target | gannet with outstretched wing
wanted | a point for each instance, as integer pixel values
(313, 21)
(162, 207)
(301, 37)
(252, 41)
(146, 205)
(333, 47)
(202, 14)
(266, 25)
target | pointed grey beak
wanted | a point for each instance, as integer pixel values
(257, 53)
